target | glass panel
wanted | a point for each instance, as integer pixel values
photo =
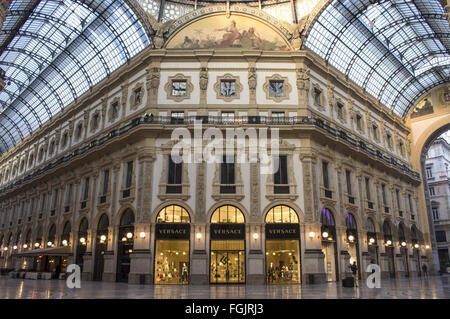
(227, 214)
(227, 261)
(282, 261)
(172, 262)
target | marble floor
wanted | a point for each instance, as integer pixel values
(437, 287)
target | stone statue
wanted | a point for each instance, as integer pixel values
(303, 79)
(160, 29)
(296, 31)
(203, 79)
(252, 78)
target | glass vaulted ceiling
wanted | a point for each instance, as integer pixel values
(53, 51)
(395, 50)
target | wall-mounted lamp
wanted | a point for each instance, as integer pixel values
(255, 236)
(325, 234)
(37, 245)
(403, 244)
(15, 247)
(65, 242)
(50, 244)
(129, 235)
(83, 240)
(388, 242)
(102, 238)
(351, 238)
(427, 246)
(371, 240)
(5, 249)
(198, 236)
(25, 246)
(142, 234)
(311, 234)
(416, 246)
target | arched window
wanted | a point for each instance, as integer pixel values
(327, 218)
(83, 226)
(387, 229)
(350, 222)
(228, 214)
(51, 235)
(65, 237)
(38, 238)
(127, 218)
(103, 224)
(173, 214)
(282, 214)
(401, 232)
(18, 239)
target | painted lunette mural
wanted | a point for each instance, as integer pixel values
(235, 32)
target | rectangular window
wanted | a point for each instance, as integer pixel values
(179, 88)
(348, 177)
(280, 177)
(276, 88)
(440, 236)
(129, 176)
(375, 132)
(397, 195)
(105, 181)
(86, 188)
(30, 212)
(367, 188)
(429, 172)
(42, 202)
(383, 192)
(435, 211)
(174, 176)
(326, 182)
(69, 194)
(227, 175)
(432, 193)
(55, 199)
(227, 87)
(410, 203)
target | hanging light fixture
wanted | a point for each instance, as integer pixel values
(83, 240)
(416, 246)
(325, 234)
(388, 242)
(311, 234)
(129, 235)
(403, 244)
(351, 238)
(65, 242)
(50, 244)
(25, 246)
(371, 240)
(102, 238)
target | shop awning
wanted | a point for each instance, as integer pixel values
(56, 251)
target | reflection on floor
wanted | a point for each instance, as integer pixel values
(434, 287)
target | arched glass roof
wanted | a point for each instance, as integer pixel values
(53, 51)
(396, 49)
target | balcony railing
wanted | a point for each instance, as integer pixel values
(217, 120)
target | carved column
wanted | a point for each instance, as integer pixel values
(252, 82)
(203, 83)
(308, 160)
(124, 100)
(303, 85)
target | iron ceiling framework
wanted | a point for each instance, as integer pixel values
(53, 51)
(395, 50)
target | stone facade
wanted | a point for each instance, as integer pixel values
(58, 175)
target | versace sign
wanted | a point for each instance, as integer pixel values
(227, 231)
(282, 231)
(172, 231)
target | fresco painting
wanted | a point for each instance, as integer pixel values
(236, 32)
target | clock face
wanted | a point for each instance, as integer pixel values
(276, 88)
(227, 88)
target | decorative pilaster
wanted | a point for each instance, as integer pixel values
(303, 85)
(254, 191)
(309, 185)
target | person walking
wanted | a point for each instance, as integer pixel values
(354, 270)
(425, 270)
